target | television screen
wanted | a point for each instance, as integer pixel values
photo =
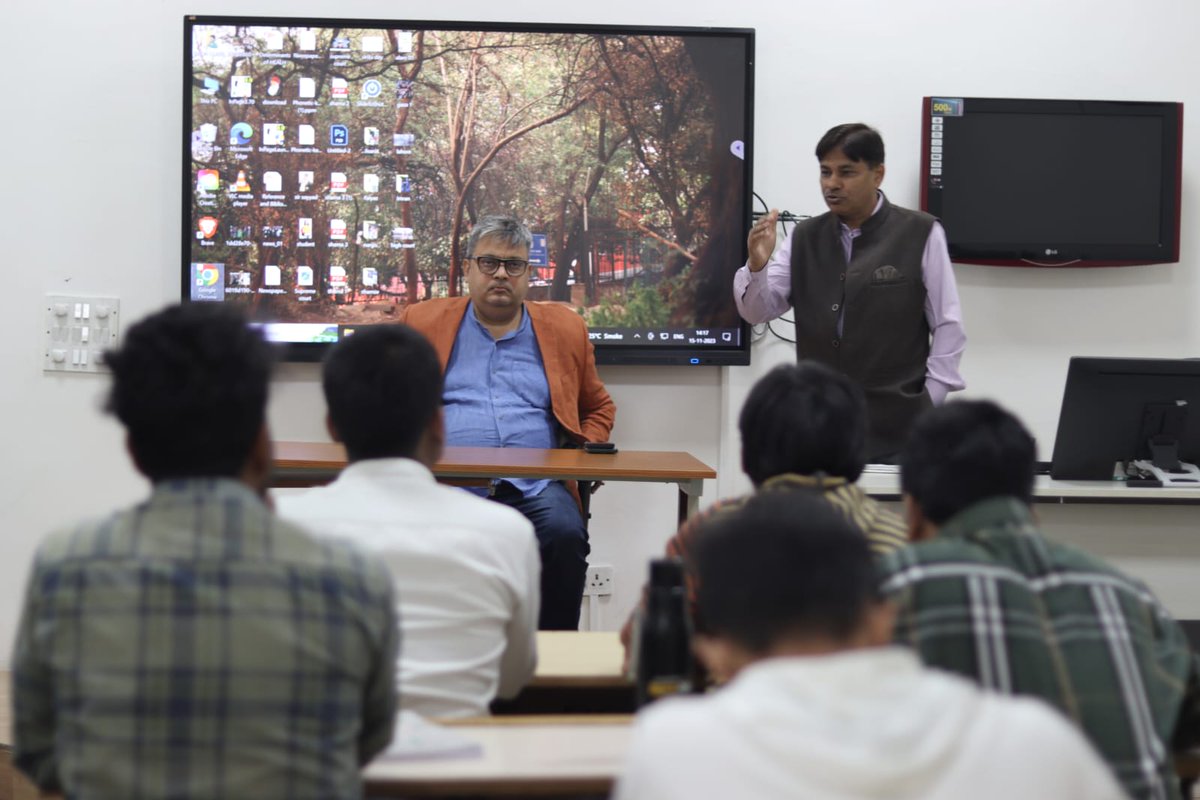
(1054, 182)
(333, 170)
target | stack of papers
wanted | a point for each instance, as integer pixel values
(417, 738)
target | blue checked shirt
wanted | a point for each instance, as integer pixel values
(197, 646)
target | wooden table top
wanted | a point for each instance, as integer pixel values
(583, 659)
(527, 757)
(518, 462)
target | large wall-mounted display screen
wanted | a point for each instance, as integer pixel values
(333, 170)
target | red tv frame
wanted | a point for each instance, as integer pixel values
(1054, 183)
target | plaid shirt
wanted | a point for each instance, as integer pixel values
(197, 646)
(884, 530)
(994, 600)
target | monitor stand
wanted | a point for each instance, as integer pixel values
(1184, 475)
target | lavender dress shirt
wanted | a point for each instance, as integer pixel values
(762, 296)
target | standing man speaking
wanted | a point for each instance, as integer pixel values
(871, 287)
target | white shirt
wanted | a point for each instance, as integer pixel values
(466, 572)
(855, 725)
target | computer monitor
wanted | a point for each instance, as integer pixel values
(333, 169)
(1124, 409)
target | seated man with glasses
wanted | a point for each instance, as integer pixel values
(520, 374)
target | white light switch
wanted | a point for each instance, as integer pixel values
(77, 331)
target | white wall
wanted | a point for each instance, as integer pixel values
(90, 143)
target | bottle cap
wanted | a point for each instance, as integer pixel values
(666, 572)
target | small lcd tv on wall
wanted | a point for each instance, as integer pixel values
(332, 170)
(1054, 183)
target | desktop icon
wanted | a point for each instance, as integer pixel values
(274, 39)
(339, 135)
(306, 135)
(272, 275)
(403, 141)
(208, 180)
(304, 228)
(272, 233)
(337, 230)
(306, 40)
(240, 86)
(403, 184)
(274, 84)
(337, 280)
(308, 88)
(304, 276)
(370, 276)
(403, 90)
(240, 233)
(370, 183)
(338, 182)
(239, 278)
(370, 137)
(208, 133)
(372, 44)
(340, 43)
(206, 227)
(404, 41)
(241, 184)
(339, 87)
(400, 234)
(241, 133)
(371, 89)
(272, 182)
(305, 180)
(210, 86)
(273, 134)
(207, 274)
(370, 230)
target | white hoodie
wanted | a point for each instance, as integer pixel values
(859, 724)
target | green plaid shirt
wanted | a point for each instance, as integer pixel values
(196, 646)
(993, 599)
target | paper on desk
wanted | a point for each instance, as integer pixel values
(418, 738)
(882, 468)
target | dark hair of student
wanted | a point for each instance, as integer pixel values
(803, 418)
(383, 386)
(189, 384)
(859, 142)
(783, 565)
(964, 452)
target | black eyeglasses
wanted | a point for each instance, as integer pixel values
(513, 267)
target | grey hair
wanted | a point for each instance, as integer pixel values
(507, 229)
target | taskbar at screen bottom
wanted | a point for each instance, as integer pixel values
(328, 333)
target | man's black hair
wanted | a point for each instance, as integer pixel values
(189, 384)
(858, 141)
(383, 386)
(783, 565)
(964, 452)
(803, 418)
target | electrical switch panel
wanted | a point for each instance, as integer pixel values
(78, 331)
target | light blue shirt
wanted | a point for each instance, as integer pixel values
(496, 394)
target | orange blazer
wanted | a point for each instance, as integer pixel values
(577, 396)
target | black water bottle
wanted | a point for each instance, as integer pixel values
(664, 647)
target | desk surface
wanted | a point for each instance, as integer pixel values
(579, 659)
(526, 758)
(292, 458)
(886, 486)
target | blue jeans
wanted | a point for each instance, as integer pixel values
(563, 544)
